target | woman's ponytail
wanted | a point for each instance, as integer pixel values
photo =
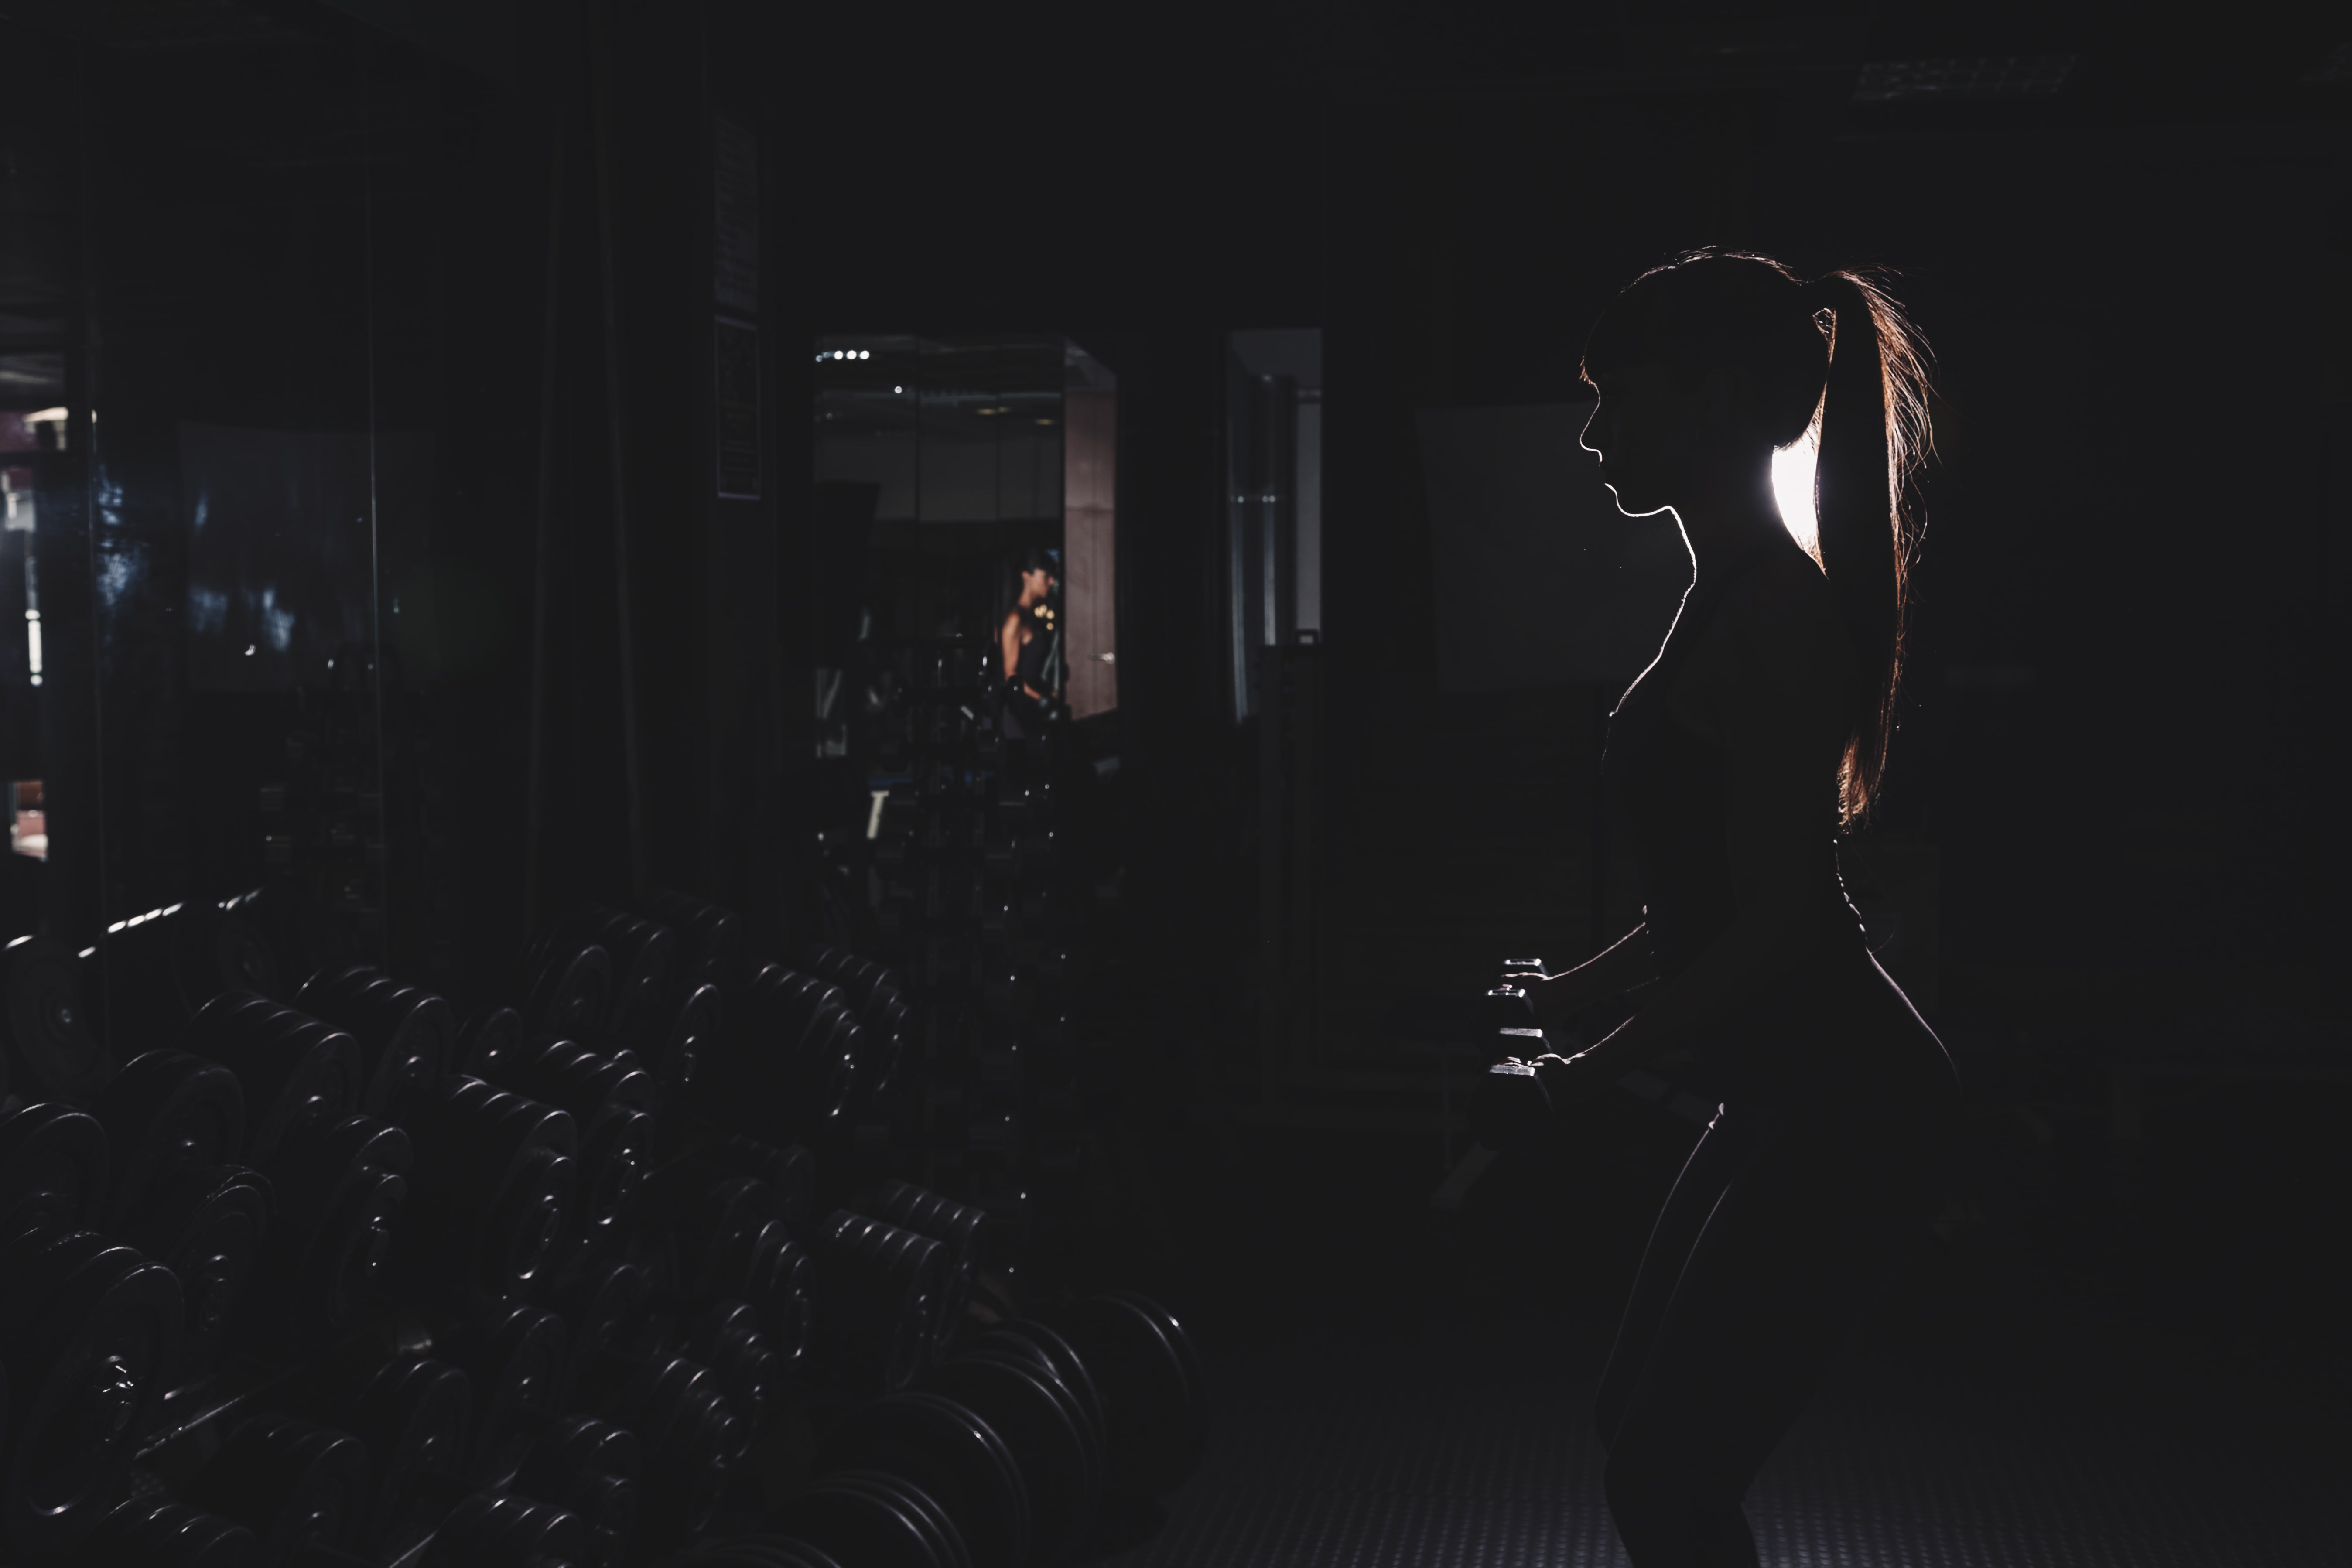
(1873, 431)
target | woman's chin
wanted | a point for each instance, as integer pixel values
(1636, 505)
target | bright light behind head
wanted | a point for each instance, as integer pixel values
(1792, 487)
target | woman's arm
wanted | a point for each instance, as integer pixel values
(1774, 684)
(1009, 640)
(1616, 969)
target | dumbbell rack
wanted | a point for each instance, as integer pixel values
(976, 908)
(577, 1214)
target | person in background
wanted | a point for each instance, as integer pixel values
(1024, 639)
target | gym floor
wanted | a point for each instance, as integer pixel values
(1399, 1389)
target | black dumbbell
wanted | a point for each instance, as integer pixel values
(877, 1306)
(494, 1189)
(490, 1042)
(413, 1416)
(163, 1110)
(53, 1170)
(517, 1360)
(646, 959)
(1049, 1354)
(1151, 1382)
(954, 1456)
(795, 1054)
(698, 1032)
(876, 1520)
(567, 988)
(90, 1332)
(961, 1228)
(861, 978)
(1040, 1426)
(340, 1186)
(729, 1245)
(208, 1225)
(609, 1100)
(692, 1437)
(592, 1470)
(406, 1037)
(49, 1042)
(604, 1307)
(508, 1531)
(291, 1481)
(291, 1068)
(154, 1532)
(713, 937)
(727, 1337)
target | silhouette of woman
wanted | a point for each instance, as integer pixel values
(1023, 640)
(1734, 761)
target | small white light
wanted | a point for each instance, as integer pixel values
(897, 389)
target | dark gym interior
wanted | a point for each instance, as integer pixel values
(770, 763)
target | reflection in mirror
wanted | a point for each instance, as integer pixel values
(940, 465)
(966, 523)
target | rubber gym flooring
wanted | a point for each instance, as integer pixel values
(1397, 1401)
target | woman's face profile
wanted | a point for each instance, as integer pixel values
(1037, 583)
(1639, 429)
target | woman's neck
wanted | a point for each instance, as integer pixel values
(1722, 523)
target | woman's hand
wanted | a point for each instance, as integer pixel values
(1558, 997)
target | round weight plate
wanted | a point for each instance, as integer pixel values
(291, 1068)
(874, 1519)
(517, 1367)
(53, 1165)
(410, 1060)
(601, 1309)
(954, 1455)
(571, 995)
(523, 1224)
(691, 1440)
(486, 1532)
(163, 1111)
(150, 1530)
(90, 1332)
(594, 1468)
(1188, 1355)
(1027, 1337)
(1037, 1427)
(40, 981)
(613, 1161)
(208, 1230)
(343, 1270)
(413, 1417)
(490, 1042)
(1151, 1414)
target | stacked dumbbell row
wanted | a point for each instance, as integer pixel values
(348, 1121)
(975, 914)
